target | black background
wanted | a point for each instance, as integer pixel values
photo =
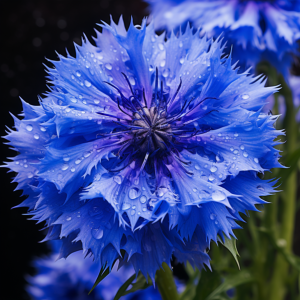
(30, 32)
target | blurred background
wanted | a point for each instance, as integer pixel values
(32, 31)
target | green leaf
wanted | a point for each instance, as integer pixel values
(230, 282)
(124, 287)
(208, 282)
(102, 274)
(140, 284)
(230, 244)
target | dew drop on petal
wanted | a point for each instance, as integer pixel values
(212, 137)
(108, 66)
(143, 199)
(245, 96)
(73, 170)
(78, 161)
(218, 196)
(213, 169)
(133, 193)
(29, 175)
(125, 206)
(29, 128)
(36, 136)
(87, 83)
(245, 154)
(236, 134)
(97, 233)
(118, 179)
(66, 157)
(180, 44)
(261, 188)
(212, 216)
(255, 160)
(78, 74)
(166, 73)
(69, 219)
(181, 60)
(132, 212)
(65, 167)
(242, 147)
(43, 129)
(74, 100)
(197, 167)
(131, 80)
(161, 46)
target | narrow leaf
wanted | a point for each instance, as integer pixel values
(124, 287)
(102, 274)
(230, 244)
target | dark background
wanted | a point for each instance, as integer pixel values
(30, 32)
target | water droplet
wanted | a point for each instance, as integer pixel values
(231, 149)
(66, 157)
(132, 212)
(213, 169)
(248, 126)
(86, 154)
(108, 66)
(74, 100)
(125, 206)
(161, 46)
(78, 74)
(211, 178)
(134, 193)
(195, 190)
(29, 175)
(242, 147)
(245, 154)
(261, 188)
(78, 161)
(166, 73)
(160, 192)
(235, 151)
(143, 199)
(87, 83)
(255, 160)
(36, 136)
(118, 179)
(236, 134)
(245, 96)
(163, 63)
(65, 167)
(97, 233)
(212, 216)
(43, 129)
(131, 80)
(144, 209)
(96, 101)
(180, 44)
(69, 219)
(29, 128)
(73, 170)
(181, 60)
(87, 64)
(218, 196)
(212, 137)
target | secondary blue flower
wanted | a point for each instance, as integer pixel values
(145, 148)
(74, 277)
(266, 30)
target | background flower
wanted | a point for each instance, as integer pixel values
(74, 277)
(267, 30)
(144, 142)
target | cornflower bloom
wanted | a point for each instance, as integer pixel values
(145, 148)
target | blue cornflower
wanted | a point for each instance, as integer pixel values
(145, 148)
(266, 30)
(74, 277)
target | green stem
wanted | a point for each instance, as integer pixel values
(277, 288)
(166, 284)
